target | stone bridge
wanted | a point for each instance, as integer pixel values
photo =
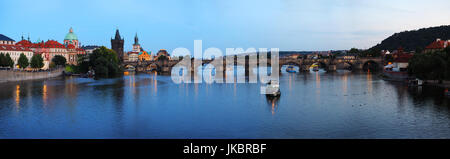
(165, 66)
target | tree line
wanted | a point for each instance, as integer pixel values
(415, 40)
(431, 66)
(36, 61)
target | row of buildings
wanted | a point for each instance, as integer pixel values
(70, 48)
(137, 53)
(397, 69)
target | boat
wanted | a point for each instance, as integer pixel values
(393, 73)
(290, 69)
(415, 82)
(273, 89)
(315, 67)
(131, 69)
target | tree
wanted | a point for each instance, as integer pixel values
(83, 63)
(2, 60)
(104, 61)
(23, 61)
(59, 60)
(37, 61)
(353, 51)
(9, 61)
(430, 66)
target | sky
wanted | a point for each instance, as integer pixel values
(300, 25)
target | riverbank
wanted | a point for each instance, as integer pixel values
(13, 76)
(444, 84)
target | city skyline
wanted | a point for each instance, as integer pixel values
(288, 25)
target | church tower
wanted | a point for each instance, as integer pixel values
(136, 45)
(117, 45)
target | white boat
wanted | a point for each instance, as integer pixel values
(273, 89)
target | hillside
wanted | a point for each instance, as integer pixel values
(415, 39)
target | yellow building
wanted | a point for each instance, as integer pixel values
(144, 56)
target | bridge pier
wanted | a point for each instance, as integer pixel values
(331, 68)
(304, 68)
(357, 67)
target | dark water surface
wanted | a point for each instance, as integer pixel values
(312, 105)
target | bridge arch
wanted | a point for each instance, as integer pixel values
(371, 65)
(152, 67)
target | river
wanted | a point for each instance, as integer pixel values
(312, 105)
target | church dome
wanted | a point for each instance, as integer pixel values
(71, 36)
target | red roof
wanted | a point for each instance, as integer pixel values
(402, 57)
(49, 44)
(24, 43)
(13, 48)
(438, 44)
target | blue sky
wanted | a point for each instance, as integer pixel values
(168, 24)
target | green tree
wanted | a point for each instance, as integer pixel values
(9, 61)
(23, 61)
(37, 61)
(104, 61)
(2, 60)
(430, 66)
(353, 51)
(83, 63)
(59, 60)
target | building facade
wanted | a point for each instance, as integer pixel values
(144, 56)
(51, 48)
(90, 48)
(162, 53)
(9, 46)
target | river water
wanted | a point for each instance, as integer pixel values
(312, 105)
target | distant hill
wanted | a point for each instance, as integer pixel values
(415, 39)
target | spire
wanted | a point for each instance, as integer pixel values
(136, 40)
(117, 34)
(70, 30)
(29, 37)
(22, 36)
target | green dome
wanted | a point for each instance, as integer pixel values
(71, 36)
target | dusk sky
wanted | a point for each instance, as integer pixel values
(168, 24)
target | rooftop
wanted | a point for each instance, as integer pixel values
(5, 38)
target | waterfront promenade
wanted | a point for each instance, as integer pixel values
(11, 76)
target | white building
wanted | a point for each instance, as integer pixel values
(133, 56)
(8, 46)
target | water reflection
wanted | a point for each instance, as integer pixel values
(18, 96)
(314, 105)
(44, 94)
(273, 102)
